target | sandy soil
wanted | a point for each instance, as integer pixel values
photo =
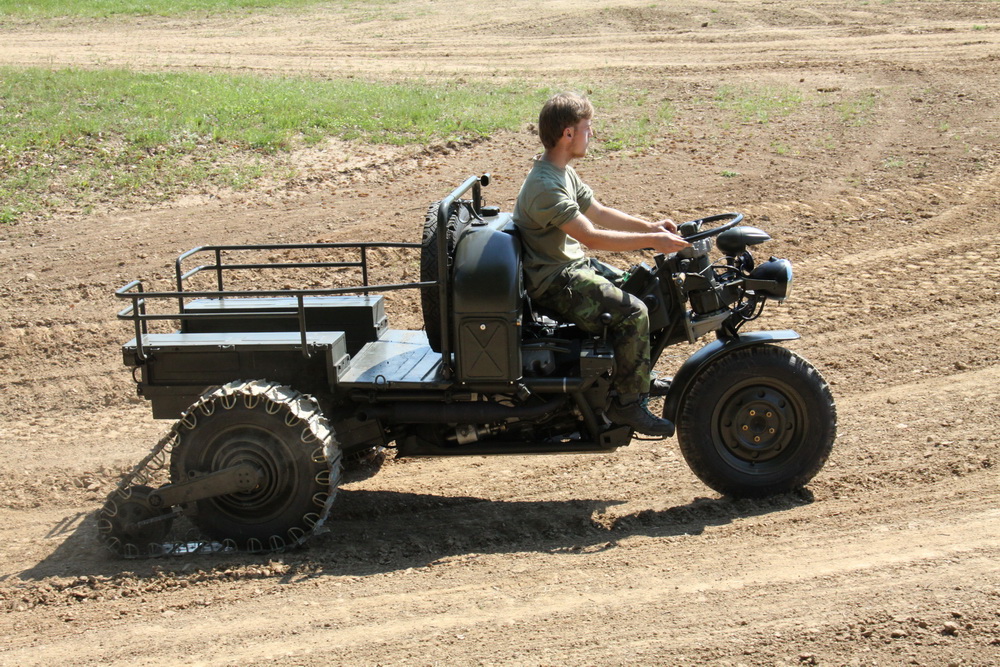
(882, 188)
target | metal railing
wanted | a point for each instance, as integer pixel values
(135, 292)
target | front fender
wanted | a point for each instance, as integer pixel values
(690, 369)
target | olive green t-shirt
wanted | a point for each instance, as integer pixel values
(549, 198)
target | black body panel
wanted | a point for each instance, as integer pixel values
(361, 318)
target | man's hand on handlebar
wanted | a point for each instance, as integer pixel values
(665, 225)
(668, 242)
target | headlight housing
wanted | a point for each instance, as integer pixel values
(772, 279)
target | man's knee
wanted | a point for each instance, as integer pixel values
(633, 313)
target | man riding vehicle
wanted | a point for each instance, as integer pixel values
(557, 214)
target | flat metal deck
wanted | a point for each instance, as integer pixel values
(400, 359)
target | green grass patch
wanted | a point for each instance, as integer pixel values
(628, 134)
(630, 120)
(857, 111)
(667, 113)
(71, 137)
(780, 148)
(758, 104)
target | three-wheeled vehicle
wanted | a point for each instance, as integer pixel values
(275, 391)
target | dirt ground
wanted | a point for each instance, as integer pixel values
(882, 187)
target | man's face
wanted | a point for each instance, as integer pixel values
(580, 136)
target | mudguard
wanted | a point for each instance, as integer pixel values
(690, 369)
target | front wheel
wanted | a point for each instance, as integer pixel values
(757, 422)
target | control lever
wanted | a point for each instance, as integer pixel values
(605, 319)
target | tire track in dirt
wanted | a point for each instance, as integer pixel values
(435, 43)
(967, 200)
(589, 587)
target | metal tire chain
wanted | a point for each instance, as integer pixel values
(301, 408)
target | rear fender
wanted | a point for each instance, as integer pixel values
(700, 360)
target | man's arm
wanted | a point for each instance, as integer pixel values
(612, 218)
(645, 235)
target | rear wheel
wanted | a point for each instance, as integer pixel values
(757, 422)
(283, 435)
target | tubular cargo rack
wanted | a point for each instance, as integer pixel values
(135, 292)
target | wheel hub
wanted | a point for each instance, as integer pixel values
(264, 452)
(757, 423)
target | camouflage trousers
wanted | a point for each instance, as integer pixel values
(580, 293)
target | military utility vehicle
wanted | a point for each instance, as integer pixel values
(275, 390)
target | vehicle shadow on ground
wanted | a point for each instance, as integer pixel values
(377, 531)
(373, 532)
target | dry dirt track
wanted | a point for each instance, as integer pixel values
(888, 211)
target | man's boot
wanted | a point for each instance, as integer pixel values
(634, 414)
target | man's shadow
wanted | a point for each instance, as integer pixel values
(372, 532)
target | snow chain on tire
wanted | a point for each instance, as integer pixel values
(152, 471)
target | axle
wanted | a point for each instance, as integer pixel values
(234, 479)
